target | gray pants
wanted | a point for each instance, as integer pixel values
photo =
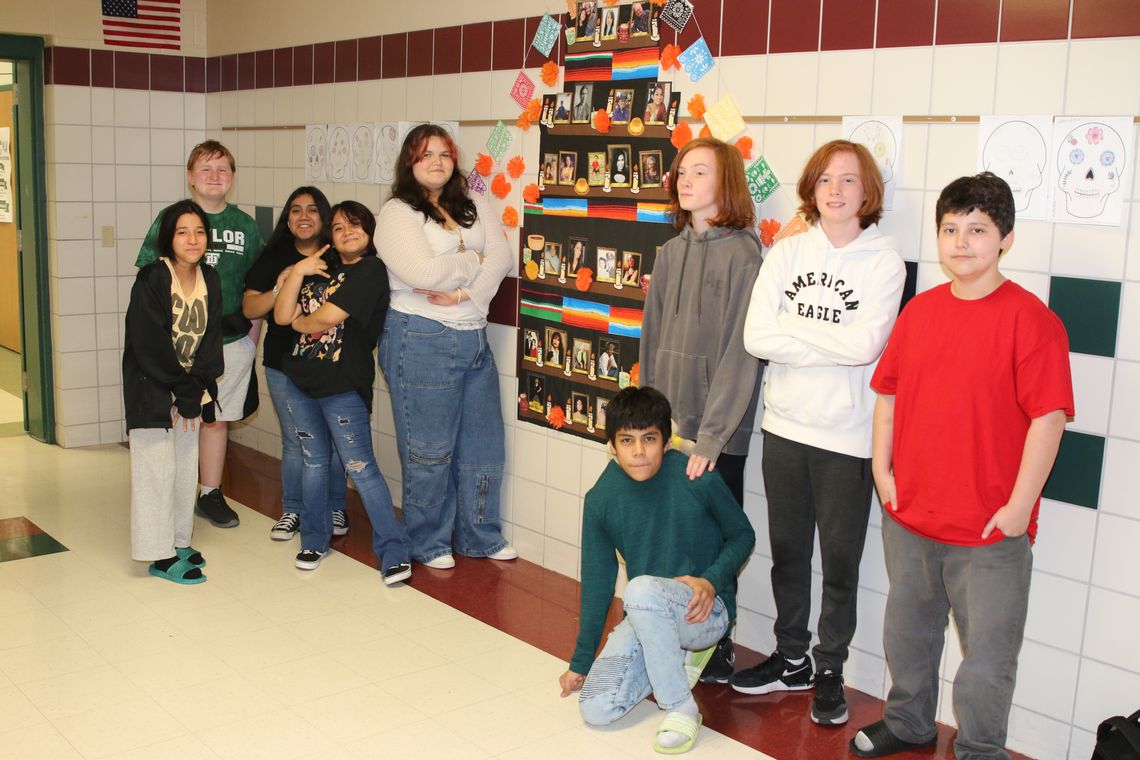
(164, 481)
(987, 588)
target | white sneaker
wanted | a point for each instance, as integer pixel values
(442, 562)
(506, 553)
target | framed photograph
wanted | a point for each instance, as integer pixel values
(583, 103)
(657, 102)
(650, 168)
(623, 103)
(567, 167)
(596, 168)
(609, 358)
(639, 19)
(609, 23)
(582, 350)
(581, 402)
(552, 255)
(630, 268)
(619, 162)
(607, 264)
(587, 18)
(550, 168)
(562, 104)
(555, 347)
(530, 345)
(579, 250)
(601, 402)
(536, 393)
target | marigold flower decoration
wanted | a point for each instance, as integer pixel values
(534, 110)
(483, 164)
(549, 73)
(510, 217)
(523, 121)
(768, 230)
(516, 166)
(681, 135)
(696, 106)
(744, 145)
(635, 374)
(705, 131)
(499, 186)
(657, 2)
(602, 120)
(585, 279)
(557, 417)
(530, 193)
(669, 55)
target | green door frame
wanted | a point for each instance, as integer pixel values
(35, 303)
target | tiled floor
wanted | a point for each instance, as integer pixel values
(264, 661)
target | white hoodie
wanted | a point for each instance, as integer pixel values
(821, 315)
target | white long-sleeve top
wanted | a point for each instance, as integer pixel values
(420, 253)
(821, 315)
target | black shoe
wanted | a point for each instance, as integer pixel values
(396, 573)
(719, 669)
(774, 674)
(340, 522)
(214, 508)
(309, 559)
(829, 705)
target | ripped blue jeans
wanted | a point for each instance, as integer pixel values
(342, 421)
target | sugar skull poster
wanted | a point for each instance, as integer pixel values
(1015, 148)
(882, 136)
(1090, 167)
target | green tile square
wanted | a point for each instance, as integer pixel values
(1076, 474)
(263, 215)
(34, 545)
(1090, 310)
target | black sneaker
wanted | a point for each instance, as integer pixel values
(774, 674)
(340, 522)
(396, 573)
(214, 508)
(308, 559)
(285, 528)
(829, 705)
(719, 669)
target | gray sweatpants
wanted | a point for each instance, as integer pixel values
(987, 588)
(164, 481)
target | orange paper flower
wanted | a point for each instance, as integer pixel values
(585, 279)
(669, 55)
(510, 217)
(515, 167)
(696, 106)
(610, 2)
(523, 121)
(602, 120)
(530, 193)
(635, 374)
(705, 131)
(549, 73)
(534, 110)
(681, 135)
(483, 164)
(744, 145)
(557, 417)
(657, 2)
(768, 230)
(499, 186)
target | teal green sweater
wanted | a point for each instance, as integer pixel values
(667, 526)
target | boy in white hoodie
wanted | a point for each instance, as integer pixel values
(821, 310)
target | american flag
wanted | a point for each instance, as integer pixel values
(143, 23)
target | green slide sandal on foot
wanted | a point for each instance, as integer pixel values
(696, 664)
(688, 725)
(178, 572)
(191, 555)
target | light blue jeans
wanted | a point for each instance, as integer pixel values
(646, 652)
(449, 433)
(291, 462)
(342, 422)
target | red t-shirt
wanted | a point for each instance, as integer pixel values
(968, 377)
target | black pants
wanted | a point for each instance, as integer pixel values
(809, 487)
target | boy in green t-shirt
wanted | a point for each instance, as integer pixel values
(234, 244)
(683, 542)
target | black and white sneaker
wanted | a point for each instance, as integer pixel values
(307, 559)
(719, 669)
(774, 674)
(285, 528)
(340, 522)
(396, 573)
(214, 508)
(829, 705)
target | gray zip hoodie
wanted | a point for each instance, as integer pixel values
(692, 348)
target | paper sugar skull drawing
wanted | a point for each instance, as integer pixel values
(1015, 151)
(338, 154)
(1090, 161)
(878, 138)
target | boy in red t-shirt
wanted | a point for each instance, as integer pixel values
(974, 392)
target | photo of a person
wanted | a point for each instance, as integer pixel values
(609, 23)
(596, 168)
(530, 345)
(607, 264)
(622, 101)
(638, 20)
(657, 102)
(550, 168)
(619, 165)
(650, 168)
(552, 254)
(600, 417)
(583, 103)
(581, 401)
(578, 248)
(535, 387)
(587, 19)
(631, 268)
(562, 107)
(608, 358)
(555, 346)
(567, 167)
(582, 350)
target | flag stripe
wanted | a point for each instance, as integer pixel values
(141, 35)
